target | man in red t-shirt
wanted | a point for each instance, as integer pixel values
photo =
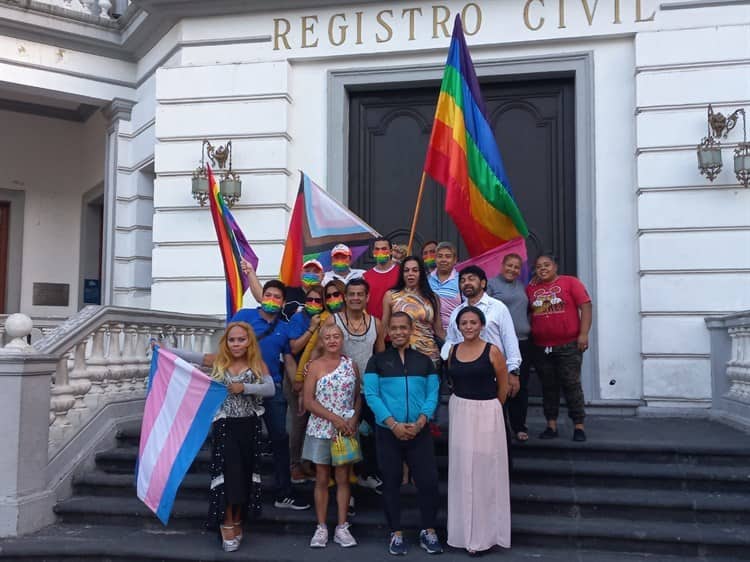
(382, 277)
(560, 322)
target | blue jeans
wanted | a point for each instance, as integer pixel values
(275, 420)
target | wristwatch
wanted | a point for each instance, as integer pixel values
(515, 372)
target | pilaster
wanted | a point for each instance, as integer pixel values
(115, 112)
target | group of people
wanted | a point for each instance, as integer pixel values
(353, 362)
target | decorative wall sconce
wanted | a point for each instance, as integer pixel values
(230, 185)
(709, 150)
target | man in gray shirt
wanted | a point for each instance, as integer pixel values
(511, 291)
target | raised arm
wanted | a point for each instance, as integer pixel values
(255, 288)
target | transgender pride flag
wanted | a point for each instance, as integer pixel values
(181, 402)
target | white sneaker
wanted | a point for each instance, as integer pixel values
(371, 482)
(343, 537)
(320, 538)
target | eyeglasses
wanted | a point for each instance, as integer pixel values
(333, 295)
(314, 299)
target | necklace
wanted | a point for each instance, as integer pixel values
(358, 329)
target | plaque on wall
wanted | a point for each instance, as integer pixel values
(91, 291)
(50, 294)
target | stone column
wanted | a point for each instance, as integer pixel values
(116, 111)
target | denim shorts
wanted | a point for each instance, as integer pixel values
(317, 450)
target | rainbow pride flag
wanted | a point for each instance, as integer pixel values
(319, 222)
(463, 156)
(181, 402)
(232, 245)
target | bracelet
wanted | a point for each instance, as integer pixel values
(393, 425)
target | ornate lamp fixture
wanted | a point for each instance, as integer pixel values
(230, 185)
(709, 150)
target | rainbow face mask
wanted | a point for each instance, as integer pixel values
(270, 305)
(313, 308)
(334, 304)
(381, 256)
(340, 266)
(309, 279)
(430, 263)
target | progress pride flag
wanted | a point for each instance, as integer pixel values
(181, 402)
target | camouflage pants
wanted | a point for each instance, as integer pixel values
(561, 369)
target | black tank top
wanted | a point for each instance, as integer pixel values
(474, 380)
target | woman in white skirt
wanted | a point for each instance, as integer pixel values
(478, 484)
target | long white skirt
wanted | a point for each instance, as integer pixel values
(478, 484)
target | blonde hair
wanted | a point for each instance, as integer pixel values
(224, 357)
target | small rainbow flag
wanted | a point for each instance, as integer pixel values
(463, 156)
(319, 222)
(233, 246)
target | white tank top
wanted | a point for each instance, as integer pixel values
(358, 347)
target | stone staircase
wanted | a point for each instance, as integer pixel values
(656, 489)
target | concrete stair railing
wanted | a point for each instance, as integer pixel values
(64, 396)
(730, 367)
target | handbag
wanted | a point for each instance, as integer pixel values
(345, 450)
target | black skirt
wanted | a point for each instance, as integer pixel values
(235, 464)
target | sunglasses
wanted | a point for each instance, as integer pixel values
(333, 295)
(314, 299)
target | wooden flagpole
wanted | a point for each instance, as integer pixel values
(416, 213)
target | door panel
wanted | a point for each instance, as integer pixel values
(533, 121)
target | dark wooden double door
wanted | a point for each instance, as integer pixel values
(534, 123)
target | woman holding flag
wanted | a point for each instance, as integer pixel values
(235, 491)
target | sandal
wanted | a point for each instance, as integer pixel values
(228, 544)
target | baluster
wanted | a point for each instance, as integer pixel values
(144, 355)
(78, 377)
(130, 365)
(61, 401)
(180, 333)
(97, 367)
(206, 346)
(104, 7)
(115, 368)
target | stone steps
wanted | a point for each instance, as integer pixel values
(553, 530)
(657, 490)
(127, 544)
(527, 498)
(632, 473)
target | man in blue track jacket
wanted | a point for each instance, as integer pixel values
(401, 388)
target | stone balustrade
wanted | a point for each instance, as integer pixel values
(103, 356)
(730, 365)
(105, 9)
(64, 394)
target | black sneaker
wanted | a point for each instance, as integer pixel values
(397, 546)
(548, 433)
(290, 502)
(429, 541)
(579, 435)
